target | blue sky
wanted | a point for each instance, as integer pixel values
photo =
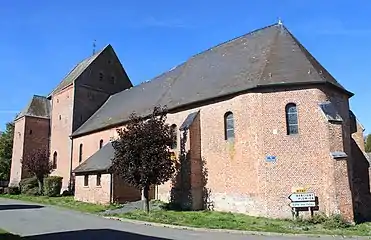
(40, 41)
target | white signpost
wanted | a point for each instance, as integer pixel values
(302, 197)
(302, 201)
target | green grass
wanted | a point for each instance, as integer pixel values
(214, 220)
(220, 220)
(66, 202)
(4, 235)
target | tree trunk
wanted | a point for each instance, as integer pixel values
(145, 199)
(40, 181)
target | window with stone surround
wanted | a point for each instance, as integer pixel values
(80, 153)
(228, 126)
(86, 180)
(98, 179)
(175, 136)
(292, 125)
(55, 158)
(100, 143)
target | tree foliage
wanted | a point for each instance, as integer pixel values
(6, 149)
(37, 163)
(142, 152)
(368, 143)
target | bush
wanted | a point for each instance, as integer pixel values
(29, 186)
(52, 186)
(13, 190)
(335, 222)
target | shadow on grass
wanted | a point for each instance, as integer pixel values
(91, 234)
(19, 207)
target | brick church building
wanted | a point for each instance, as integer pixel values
(258, 113)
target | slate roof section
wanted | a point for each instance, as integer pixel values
(263, 58)
(99, 162)
(330, 112)
(188, 121)
(39, 106)
(77, 71)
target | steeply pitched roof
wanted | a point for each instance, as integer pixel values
(77, 71)
(99, 161)
(39, 106)
(266, 57)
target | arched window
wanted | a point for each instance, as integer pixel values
(80, 153)
(55, 158)
(175, 136)
(292, 119)
(100, 143)
(229, 126)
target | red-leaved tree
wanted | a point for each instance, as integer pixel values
(37, 163)
(142, 152)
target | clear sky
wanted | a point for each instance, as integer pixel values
(40, 41)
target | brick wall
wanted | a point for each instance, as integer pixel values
(18, 144)
(61, 129)
(239, 178)
(30, 133)
(93, 193)
(122, 192)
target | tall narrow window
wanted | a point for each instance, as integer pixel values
(86, 180)
(100, 143)
(175, 136)
(292, 119)
(55, 158)
(80, 153)
(98, 179)
(229, 126)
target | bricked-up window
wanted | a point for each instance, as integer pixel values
(98, 179)
(86, 180)
(100, 143)
(229, 126)
(80, 153)
(292, 119)
(175, 136)
(55, 158)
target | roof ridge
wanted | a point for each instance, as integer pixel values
(86, 59)
(314, 62)
(234, 39)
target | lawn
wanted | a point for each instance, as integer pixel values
(214, 220)
(67, 202)
(220, 220)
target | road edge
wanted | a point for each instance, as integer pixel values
(242, 232)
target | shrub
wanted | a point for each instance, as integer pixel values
(29, 186)
(52, 186)
(13, 190)
(335, 222)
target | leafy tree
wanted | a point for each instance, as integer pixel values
(368, 143)
(37, 163)
(6, 148)
(142, 154)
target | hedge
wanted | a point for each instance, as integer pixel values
(52, 186)
(29, 186)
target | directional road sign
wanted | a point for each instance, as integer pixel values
(302, 197)
(302, 204)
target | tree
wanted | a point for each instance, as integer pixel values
(368, 143)
(6, 148)
(37, 163)
(142, 152)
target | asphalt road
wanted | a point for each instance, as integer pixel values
(33, 221)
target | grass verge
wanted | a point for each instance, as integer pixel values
(220, 220)
(214, 220)
(4, 235)
(67, 202)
